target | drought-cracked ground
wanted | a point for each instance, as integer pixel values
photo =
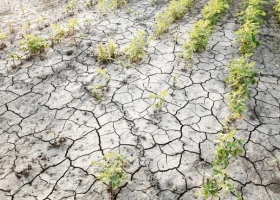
(52, 128)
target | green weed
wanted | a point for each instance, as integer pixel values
(33, 44)
(111, 171)
(3, 38)
(106, 54)
(160, 99)
(135, 50)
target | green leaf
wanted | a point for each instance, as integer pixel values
(114, 179)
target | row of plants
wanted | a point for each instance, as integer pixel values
(199, 35)
(175, 10)
(277, 9)
(241, 77)
(251, 19)
(105, 6)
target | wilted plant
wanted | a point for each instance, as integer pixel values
(111, 171)
(160, 99)
(98, 90)
(106, 54)
(58, 32)
(40, 22)
(33, 44)
(174, 81)
(135, 49)
(11, 28)
(87, 21)
(3, 37)
(72, 23)
(26, 27)
(14, 57)
(70, 7)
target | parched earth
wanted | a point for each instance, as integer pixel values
(52, 128)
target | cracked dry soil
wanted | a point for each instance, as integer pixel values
(51, 127)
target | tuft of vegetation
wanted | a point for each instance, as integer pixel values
(214, 10)
(58, 33)
(251, 19)
(160, 99)
(227, 148)
(198, 38)
(104, 6)
(277, 9)
(70, 7)
(3, 37)
(111, 171)
(33, 44)
(106, 54)
(15, 57)
(176, 10)
(241, 77)
(99, 90)
(72, 23)
(135, 50)
(40, 22)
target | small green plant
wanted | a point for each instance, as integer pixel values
(111, 171)
(106, 54)
(175, 10)
(72, 23)
(3, 37)
(99, 90)
(33, 44)
(241, 77)
(198, 38)
(58, 33)
(11, 27)
(227, 147)
(135, 49)
(87, 21)
(214, 10)
(247, 37)
(40, 22)
(14, 57)
(160, 99)
(104, 6)
(70, 7)
(26, 27)
(174, 81)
